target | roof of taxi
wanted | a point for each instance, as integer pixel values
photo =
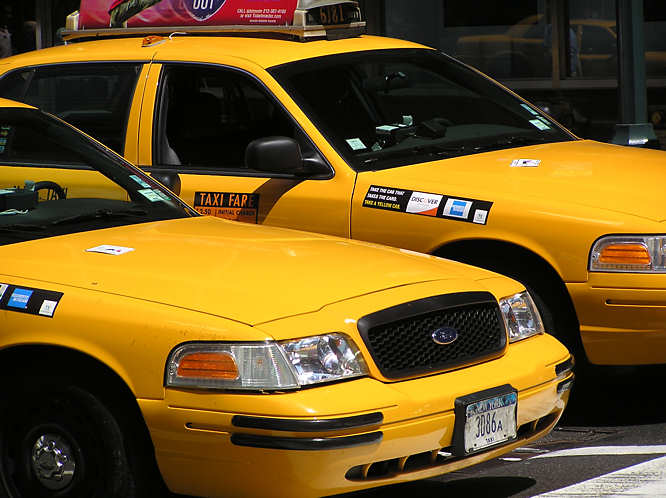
(265, 52)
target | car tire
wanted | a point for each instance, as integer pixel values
(59, 440)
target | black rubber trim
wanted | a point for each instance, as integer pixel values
(305, 444)
(564, 367)
(422, 306)
(323, 425)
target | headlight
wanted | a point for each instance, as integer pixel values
(324, 358)
(634, 253)
(264, 366)
(521, 316)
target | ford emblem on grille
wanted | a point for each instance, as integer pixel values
(445, 335)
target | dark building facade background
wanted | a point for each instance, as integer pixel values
(560, 54)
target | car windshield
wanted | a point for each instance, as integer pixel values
(388, 108)
(54, 180)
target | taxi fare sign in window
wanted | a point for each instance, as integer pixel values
(138, 13)
(229, 205)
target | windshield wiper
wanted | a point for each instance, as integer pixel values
(102, 214)
(510, 141)
(22, 227)
(430, 150)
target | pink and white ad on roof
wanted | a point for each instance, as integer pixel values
(146, 13)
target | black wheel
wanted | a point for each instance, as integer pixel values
(54, 191)
(61, 441)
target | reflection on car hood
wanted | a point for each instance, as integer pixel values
(615, 178)
(239, 271)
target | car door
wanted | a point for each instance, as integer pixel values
(197, 120)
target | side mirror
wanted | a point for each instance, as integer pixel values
(281, 155)
(169, 180)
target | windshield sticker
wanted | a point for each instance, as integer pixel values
(427, 204)
(537, 123)
(228, 205)
(110, 249)
(151, 195)
(356, 143)
(4, 133)
(29, 300)
(529, 109)
(140, 181)
(162, 195)
(525, 163)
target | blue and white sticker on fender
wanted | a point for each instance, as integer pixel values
(427, 204)
(20, 298)
(29, 300)
(457, 208)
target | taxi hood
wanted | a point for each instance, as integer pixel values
(238, 271)
(615, 178)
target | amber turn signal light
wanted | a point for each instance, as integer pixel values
(208, 366)
(625, 254)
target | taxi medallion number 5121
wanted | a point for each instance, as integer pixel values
(331, 14)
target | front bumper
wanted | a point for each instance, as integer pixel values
(622, 318)
(371, 433)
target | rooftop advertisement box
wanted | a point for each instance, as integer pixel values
(139, 13)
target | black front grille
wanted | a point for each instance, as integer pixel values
(400, 339)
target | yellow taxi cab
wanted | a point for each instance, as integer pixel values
(312, 126)
(145, 345)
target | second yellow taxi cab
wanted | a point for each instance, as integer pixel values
(379, 140)
(145, 345)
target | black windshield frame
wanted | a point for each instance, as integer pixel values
(300, 80)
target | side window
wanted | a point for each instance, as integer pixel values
(93, 97)
(208, 116)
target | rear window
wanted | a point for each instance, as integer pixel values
(93, 97)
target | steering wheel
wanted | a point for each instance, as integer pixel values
(57, 191)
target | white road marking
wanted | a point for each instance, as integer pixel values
(647, 479)
(605, 450)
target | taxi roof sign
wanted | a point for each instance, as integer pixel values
(305, 19)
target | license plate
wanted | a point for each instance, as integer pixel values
(485, 419)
